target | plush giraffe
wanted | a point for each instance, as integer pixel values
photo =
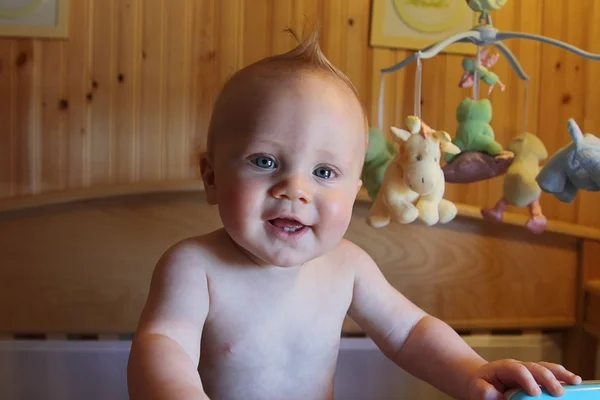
(413, 184)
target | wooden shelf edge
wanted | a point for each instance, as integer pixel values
(192, 185)
(512, 324)
(474, 212)
(97, 192)
(478, 325)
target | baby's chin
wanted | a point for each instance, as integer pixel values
(283, 257)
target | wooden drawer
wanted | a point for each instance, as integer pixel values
(475, 275)
(85, 266)
(591, 311)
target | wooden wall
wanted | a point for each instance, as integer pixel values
(124, 99)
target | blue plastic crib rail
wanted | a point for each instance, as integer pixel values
(584, 391)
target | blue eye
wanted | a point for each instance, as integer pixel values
(264, 162)
(323, 172)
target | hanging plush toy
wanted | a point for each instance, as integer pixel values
(573, 167)
(487, 60)
(481, 157)
(520, 187)
(484, 7)
(413, 184)
(379, 153)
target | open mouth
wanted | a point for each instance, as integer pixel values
(287, 225)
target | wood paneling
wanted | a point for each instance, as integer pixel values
(128, 96)
(85, 266)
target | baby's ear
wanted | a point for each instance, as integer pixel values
(208, 178)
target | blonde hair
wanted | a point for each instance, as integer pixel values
(308, 52)
(305, 56)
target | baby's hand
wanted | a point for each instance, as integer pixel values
(497, 377)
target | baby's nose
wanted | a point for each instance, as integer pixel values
(293, 188)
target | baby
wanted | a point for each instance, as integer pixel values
(255, 310)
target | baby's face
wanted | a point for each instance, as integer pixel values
(287, 170)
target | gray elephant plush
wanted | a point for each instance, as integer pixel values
(573, 167)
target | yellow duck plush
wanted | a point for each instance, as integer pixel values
(520, 187)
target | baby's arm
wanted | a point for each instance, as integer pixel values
(429, 349)
(166, 346)
(420, 344)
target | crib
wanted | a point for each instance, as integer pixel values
(76, 267)
(585, 391)
(96, 368)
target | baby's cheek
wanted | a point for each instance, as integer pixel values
(336, 211)
(235, 189)
(236, 200)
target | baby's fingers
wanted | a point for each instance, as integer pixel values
(485, 391)
(545, 377)
(517, 374)
(561, 373)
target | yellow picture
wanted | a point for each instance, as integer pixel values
(415, 24)
(34, 18)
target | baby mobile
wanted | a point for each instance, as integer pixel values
(405, 178)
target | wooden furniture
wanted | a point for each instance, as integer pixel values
(592, 308)
(80, 263)
(590, 280)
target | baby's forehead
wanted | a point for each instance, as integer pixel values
(262, 90)
(267, 96)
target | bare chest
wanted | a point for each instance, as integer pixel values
(249, 315)
(284, 330)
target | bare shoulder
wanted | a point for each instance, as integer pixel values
(368, 277)
(177, 303)
(193, 256)
(179, 293)
(355, 257)
(378, 307)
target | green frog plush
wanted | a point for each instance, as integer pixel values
(379, 153)
(474, 131)
(481, 156)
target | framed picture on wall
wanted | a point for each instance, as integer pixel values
(34, 18)
(415, 24)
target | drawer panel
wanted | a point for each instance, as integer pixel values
(474, 274)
